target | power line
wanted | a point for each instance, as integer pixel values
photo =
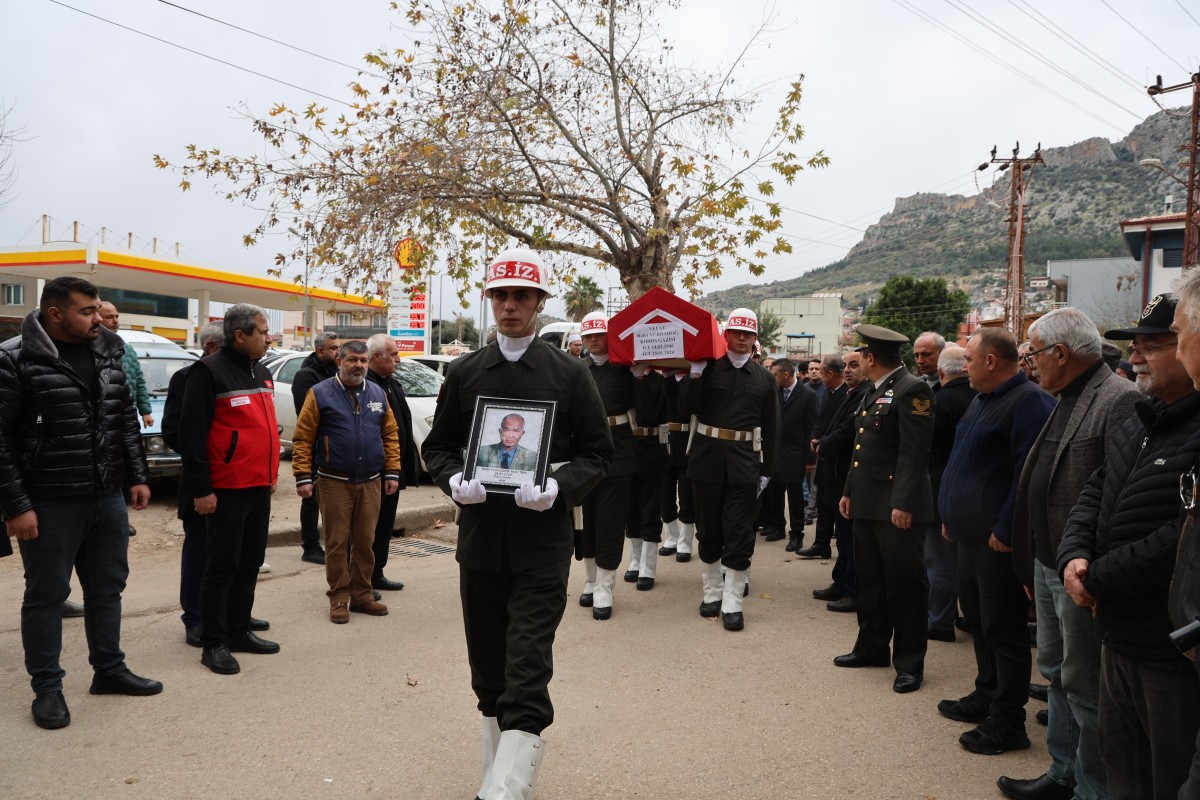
(1182, 6)
(1144, 36)
(202, 55)
(1079, 46)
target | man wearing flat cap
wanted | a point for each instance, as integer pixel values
(888, 496)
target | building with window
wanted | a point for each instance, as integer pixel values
(811, 326)
(1156, 243)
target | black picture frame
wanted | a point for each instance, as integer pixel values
(530, 455)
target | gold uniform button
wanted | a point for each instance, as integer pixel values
(858, 447)
(862, 430)
(856, 464)
(864, 413)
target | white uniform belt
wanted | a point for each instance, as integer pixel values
(675, 427)
(724, 434)
(620, 419)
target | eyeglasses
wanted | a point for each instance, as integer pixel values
(1187, 489)
(1028, 357)
(1147, 349)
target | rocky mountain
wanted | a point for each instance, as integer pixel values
(1077, 199)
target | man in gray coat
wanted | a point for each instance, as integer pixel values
(1092, 403)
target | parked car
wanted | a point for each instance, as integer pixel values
(160, 359)
(438, 363)
(421, 386)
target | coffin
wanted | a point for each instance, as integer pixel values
(663, 330)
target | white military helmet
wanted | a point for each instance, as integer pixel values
(742, 319)
(595, 322)
(517, 269)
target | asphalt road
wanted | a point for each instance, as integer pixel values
(655, 703)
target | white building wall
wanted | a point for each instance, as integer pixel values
(819, 316)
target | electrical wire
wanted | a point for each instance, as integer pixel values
(1079, 46)
(202, 55)
(1144, 36)
(1182, 6)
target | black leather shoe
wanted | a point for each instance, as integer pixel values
(384, 584)
(831, 592)
(70, 609)
(585, 600)
(124, 682)
(601, 613)
(1040, 691)
(847, 605)
(132, 531)
(941, 636)
(710, 610)
(314, 556)
(667, 551)
(631, 576)
(907, 682)
(816, 551)
(50, 711)
(854, 660)
(259, 624)
(992, 739)
(683, 558)
(191, 635)
(972, 708)
(793, 545)
(219, 660)
(961, 624)
(1043, 717)
(734, 621)
(645, 584)
(774, 535)
(1043, 788)
(253, 643)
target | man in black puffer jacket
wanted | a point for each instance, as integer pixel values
(320, 365)
(69, 442)
(1116, 556)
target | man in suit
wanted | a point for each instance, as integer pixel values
(798, 415)
(836, 389)
(887, 495)
(381, 369)
(507, 453)
(1093, 403)
(927, 348)
(953, 395)
(733, 456)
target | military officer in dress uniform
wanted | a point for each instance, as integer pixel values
(678, 506)
(514, 550)
(735, 444)
(887, 495)
(629, 396)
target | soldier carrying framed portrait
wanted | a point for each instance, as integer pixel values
(509, 443)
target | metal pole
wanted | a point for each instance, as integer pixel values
(1191, 239)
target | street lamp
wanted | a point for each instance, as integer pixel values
(1156, 163)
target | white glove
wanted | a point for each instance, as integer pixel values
(467, 493)
(528, 495)
(639, 370)
(697, 368)
(762, 484)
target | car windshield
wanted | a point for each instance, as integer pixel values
(417, 379)
(158, 372)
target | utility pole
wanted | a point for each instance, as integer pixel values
(1191, 234)
(1021, 175)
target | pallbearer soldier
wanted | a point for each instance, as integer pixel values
(732, 457)
(627, 394)
(887, 495)
(514, 551)
(678, 507)
(644, 525)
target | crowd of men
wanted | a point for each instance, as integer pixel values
(1004, 481)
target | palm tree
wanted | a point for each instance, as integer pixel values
(584, 296)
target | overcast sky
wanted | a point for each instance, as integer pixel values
(904, 96)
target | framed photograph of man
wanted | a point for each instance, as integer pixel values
(510, 443)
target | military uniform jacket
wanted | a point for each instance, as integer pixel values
(733, 398)
(677, 440)
(498, 530)
(889, 466)
(621, 393)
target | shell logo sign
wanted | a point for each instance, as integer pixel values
(407, 253)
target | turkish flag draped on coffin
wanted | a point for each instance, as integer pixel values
(663, 330)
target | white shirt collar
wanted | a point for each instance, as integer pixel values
(512, 349)
(738, 361)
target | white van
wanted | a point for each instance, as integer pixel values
(557, 333)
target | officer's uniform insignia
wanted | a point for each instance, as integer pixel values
(921, 407)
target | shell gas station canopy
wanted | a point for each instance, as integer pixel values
(114, 268)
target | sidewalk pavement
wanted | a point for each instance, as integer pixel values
(657, 702)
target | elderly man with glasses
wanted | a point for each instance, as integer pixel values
(1116, 557)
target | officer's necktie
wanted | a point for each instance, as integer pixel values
(504, 459)
(787, 392)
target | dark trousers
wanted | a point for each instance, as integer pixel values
(774, 496)
(844, 574)
(941, 566)
(605, 514)
(388, 503)
(995, 606)
(725, 522)
(645, 503)
(237, 544)
(892, 594)
(510, 620)
(192, 561)
(1148, 724)
(90, 534)
(1191, 788)
(310, 519)
(676, 496)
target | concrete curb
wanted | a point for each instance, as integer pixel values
(409, 518)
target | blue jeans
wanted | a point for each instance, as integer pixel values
(1068, 655)
(90, 534)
